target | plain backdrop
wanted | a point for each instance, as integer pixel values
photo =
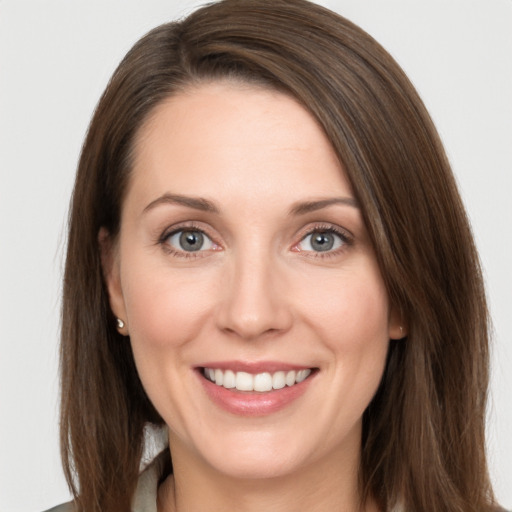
(55, 59)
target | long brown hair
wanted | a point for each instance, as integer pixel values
(423, 433)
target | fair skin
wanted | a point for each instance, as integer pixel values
(243, 249)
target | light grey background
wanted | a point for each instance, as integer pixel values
(55, 59)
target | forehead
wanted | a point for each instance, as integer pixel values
(241, 136)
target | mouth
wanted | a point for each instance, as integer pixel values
(249, 390)
(259, 382)
(255, 388)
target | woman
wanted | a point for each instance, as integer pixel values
(268, 255)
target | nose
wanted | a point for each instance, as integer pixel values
(255, 299)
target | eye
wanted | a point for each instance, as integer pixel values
(322, 240)
(189, 240)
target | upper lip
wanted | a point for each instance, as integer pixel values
(253, 366)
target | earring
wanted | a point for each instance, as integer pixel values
(401, 332)
(120, 323)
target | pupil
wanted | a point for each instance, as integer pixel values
(322, 242)
(191, 240)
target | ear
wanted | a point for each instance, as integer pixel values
(111, 274)
(397, 328)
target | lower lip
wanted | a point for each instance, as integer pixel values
(253, 403)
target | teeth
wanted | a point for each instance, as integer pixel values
(290, 378)
(229, 380)
(244, 381)
(278, 380)
(260, 382)
(301, 375)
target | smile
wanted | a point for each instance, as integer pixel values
(260, 382)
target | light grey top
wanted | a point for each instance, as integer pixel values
(147, 489)
(145, 495)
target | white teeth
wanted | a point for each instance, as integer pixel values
(290, 378)
(229, 380)
(219, 377)
(278, 381)
(260, 382)
(244, 381)
(301, 375)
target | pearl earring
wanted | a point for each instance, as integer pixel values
(120, 323)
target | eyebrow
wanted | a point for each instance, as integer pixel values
(312, 206)
(204, 205)
(197, 203)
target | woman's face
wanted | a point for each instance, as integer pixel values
(243, 259)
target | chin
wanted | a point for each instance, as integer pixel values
(250, 466)
(252, 455)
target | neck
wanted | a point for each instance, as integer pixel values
(318, 487)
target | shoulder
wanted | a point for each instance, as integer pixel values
(65, 507)
(145, 498)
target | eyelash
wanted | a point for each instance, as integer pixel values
(163, 241)
(346, 239)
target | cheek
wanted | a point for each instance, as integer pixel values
(166, 308)
(350, 309)
(358, 339)
(354, 327)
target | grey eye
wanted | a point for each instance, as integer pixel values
(321, 241)
(190, 241)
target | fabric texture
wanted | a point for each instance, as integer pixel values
(145, 498)
(146, 493)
